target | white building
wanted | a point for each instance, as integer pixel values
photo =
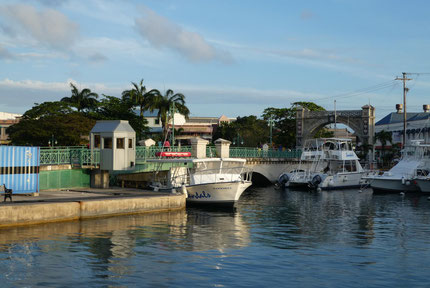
(418, 126)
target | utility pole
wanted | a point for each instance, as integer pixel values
(405, 90)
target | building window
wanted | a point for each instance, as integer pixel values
(120, 143)
(130, 143)
(107, 143)
(157, 121)
(96, 141)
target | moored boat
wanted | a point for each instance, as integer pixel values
(326, 163)
(405, 175)
(219, 181)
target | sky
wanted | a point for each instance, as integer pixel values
(228, 57)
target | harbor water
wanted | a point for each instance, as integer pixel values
(347, 238)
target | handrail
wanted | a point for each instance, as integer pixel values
(82, 156)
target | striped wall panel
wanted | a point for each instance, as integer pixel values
(19, 168)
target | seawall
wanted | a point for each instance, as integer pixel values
(15, 214)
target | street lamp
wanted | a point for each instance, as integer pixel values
(238, 140)
(271, 122)
(172, 112)
(53, 141)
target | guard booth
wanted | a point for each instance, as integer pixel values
(19, 169)
(116, 140)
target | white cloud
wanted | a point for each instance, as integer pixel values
(97, 58)
(58, 86)
(49, 27)
(162, 33)
(5, 54)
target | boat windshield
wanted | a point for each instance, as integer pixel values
(328, 144)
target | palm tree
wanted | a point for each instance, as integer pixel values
(383, 137)
(164, 103)
(140, 97)
(82, 100)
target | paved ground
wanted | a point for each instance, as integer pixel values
(80, 194)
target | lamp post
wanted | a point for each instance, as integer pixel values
(271, 122)
(238, 140)
(172, 113)
(53, 141)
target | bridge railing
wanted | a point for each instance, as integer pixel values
(78, 155)
(143, 153)
(82, 156)
(244, 152)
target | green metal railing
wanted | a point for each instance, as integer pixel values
(143, 153)
(244, 152)
(82, 156)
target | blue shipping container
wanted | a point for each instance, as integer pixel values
(19, 168)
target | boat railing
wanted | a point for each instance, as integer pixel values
(230, 174)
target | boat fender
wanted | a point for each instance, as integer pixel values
(408, 183)
(403, 180)
(184, 191)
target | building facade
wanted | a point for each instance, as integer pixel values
(417, 128)
(6, 120)
(186, 129)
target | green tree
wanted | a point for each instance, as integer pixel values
(284, 131)
(83, 100)
(140, 97)
(249, 129)
(112, 108)
(39, 124)
(384, 137)
(165, 102)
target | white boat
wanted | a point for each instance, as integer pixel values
(326, 163)
(405, 175)
(207, 180)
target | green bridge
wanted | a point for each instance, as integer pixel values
(81, 156)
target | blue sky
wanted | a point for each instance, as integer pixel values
(228, 57)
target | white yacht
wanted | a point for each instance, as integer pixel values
(326, 163)
(207, 180)
(408, 173)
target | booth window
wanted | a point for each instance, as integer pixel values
(96, 141)
(107, 143)
(130, 143)
(119, 143)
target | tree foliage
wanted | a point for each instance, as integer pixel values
(165, 102)
(246, 131)
(83, 101)
(284, 131)
(43, 121)
(138, 96)
(112, 108)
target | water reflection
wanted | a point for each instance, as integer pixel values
(271, 233)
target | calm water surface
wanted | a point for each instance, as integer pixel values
(274, 237)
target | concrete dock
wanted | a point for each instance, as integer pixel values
(74, 204)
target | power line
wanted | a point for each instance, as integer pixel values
(366, 90)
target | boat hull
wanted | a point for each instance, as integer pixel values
(392, 185)
(423, 184)
(224, 193)
(338, 181)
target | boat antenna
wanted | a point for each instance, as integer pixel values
(335, 118)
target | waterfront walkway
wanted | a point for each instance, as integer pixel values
(75, 204)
